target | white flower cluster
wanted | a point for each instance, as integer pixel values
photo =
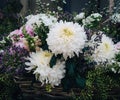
(61, 1)
(39, 63)
(33, 20)
(80, 16)
(90, 19)
(116, 69)
(69, 40)
(66, 38)
(115, 18)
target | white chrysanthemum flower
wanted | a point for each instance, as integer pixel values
(66, 38)
(105, 51)
(33, 20)
(39, 63)
(79, 16)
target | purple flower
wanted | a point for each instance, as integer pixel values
(12, 60)
(16, 32)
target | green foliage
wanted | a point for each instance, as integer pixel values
(118, 57)
(7, 26)
(9, 20)
(30, 40)
(12, 6)
(49, 6)
(5, 43)
(53, 61)
(81, 82)
(70, 67)
(73, 78)
(8, 89)
(99, 84)
(42, 34)
(113, 30)
(48, 88)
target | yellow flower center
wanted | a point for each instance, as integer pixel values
(106, 47)
(47, 54)
(67, 32)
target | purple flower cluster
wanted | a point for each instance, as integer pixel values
(12, 60)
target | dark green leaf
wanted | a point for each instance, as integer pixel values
(81, 82)
(53, 61)
(70, 65)
(65, 84)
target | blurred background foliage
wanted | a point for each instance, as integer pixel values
(9, 17)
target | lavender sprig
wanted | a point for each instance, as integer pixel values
(12, 60)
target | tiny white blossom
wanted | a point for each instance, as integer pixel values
(33, 20)
(80, 16)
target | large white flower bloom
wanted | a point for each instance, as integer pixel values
(66, 38)
(33, 20)
(105, 51)
(39, 63)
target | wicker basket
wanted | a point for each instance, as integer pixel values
(34, 91)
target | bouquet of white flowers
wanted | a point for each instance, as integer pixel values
(60, 52)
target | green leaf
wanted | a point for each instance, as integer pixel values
(53, 61)
(81, 82)
(70, 65)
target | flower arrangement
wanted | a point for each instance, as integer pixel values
(61, 53)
